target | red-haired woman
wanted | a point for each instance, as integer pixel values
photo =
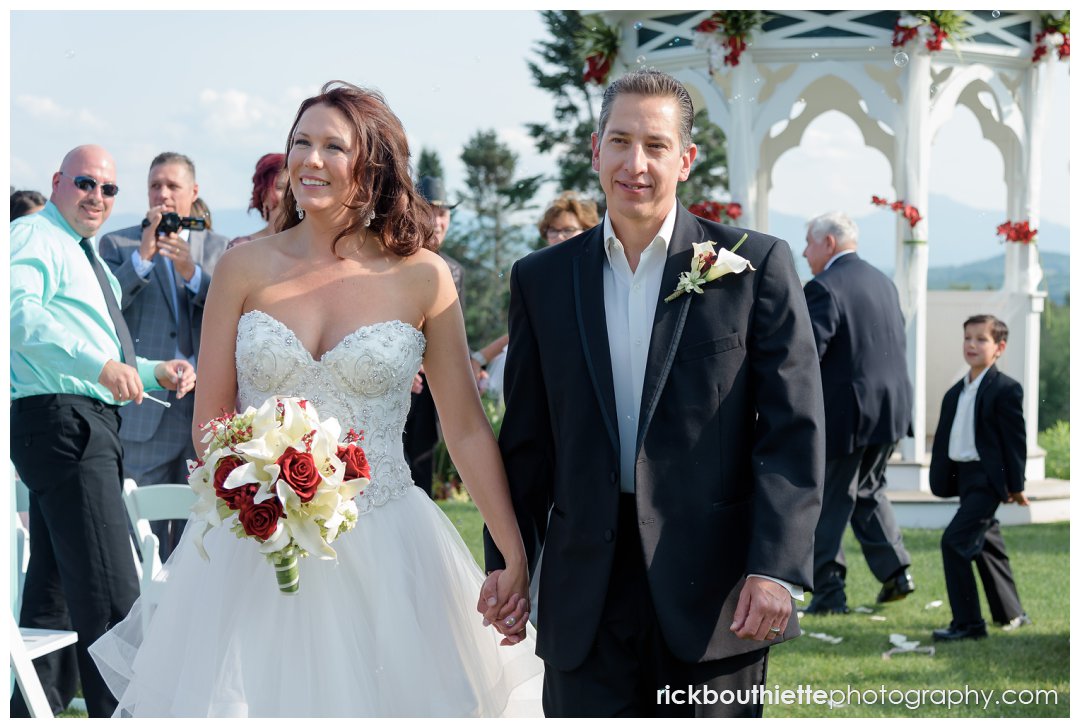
(268, 187)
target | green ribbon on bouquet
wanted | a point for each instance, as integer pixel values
(287, 566)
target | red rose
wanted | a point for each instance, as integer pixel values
(232, 496)
(356, 464)
(734, 210)
(298, 470)
(707, 26)
(260, 519)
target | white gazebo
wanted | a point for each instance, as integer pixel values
(802, 63)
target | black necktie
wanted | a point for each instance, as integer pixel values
(127, 347)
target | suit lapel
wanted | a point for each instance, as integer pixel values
(592, 325)
(984, 387)
(670, 317)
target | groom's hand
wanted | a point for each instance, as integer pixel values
(763, 605)
(510, 617)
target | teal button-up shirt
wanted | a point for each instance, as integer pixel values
(61, 332)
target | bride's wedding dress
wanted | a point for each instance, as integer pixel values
(389, 629)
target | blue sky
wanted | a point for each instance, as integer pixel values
(222, 87)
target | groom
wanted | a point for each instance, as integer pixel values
(667, 456)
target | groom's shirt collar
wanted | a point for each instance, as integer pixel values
(667, 229)
(630, 306)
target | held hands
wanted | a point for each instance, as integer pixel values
(509, 616)
(177, 375)
(763, 610)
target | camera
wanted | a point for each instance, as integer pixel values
(171, 223)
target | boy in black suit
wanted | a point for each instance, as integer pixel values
(979, 454)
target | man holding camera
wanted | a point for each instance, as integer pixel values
(164, 268)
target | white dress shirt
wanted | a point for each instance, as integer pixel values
(962, 435)
(630, 307)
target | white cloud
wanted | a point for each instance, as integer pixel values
(46, 109)
(231, 111)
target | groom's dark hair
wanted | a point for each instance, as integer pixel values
(650, 82)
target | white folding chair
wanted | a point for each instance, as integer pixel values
(20, 540)
(165, 502)
(27, 645)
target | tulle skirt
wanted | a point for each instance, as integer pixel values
(390, 629)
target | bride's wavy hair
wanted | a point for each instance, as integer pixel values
(382, 183)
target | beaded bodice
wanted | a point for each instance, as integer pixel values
(364, 381)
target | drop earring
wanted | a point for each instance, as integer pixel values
(369, 219)
(299, 211)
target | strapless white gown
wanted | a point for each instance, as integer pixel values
(389, 629)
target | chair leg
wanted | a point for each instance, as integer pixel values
(26, 675)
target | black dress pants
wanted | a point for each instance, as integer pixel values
(974, 535)
(421, 435)
(855, 493)
(630, 672)
(66, 448)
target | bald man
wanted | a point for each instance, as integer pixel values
(73, 364)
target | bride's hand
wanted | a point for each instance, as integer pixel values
(510, 616)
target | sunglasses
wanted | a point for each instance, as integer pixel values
(88, 184)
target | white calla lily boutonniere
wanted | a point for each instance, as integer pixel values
(707, 265)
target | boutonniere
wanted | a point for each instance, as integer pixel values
(707, 265)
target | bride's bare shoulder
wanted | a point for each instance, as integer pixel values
(254, 262)
(425, 262)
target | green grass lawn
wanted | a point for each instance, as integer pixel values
(1032, 658)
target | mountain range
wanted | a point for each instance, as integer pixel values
(965, 252)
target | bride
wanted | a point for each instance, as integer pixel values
(341, 308)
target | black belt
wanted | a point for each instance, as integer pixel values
(41, 401)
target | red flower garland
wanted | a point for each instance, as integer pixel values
(909, 212)
(1017, 232)
(941, 24)
(1052, 26)
(734, 27)
(716, 211)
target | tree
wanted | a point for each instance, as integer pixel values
(489, 243)
(1054, 365)
(429, 164)
(708, 177)
(577, 103)
(577, 109)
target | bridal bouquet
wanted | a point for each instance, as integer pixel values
(280, 476)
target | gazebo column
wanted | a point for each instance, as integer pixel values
(1023, 272)
(762, 206)
(742, 155)
(912, 170)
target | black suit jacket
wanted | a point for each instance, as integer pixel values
(859, 330)
(1000, 436)
(730, 440)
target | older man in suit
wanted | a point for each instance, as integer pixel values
(164, 278)
(665, 452)
(859, 330)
